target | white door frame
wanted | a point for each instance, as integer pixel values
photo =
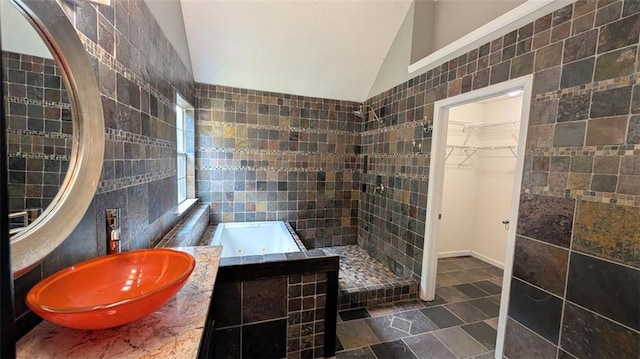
(436, 182)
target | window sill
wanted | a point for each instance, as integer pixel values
(186, 205)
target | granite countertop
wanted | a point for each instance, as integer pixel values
(173, 331)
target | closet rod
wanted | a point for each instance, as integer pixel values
(488, 124)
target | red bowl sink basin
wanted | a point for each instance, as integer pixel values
(112, 290)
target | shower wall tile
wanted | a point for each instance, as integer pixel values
(268, 156)
(608, 231)
(591, 279)
(546, 219)
(537, 310)
(588, 335)
(541, 264)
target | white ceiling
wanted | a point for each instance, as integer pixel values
(319, 48)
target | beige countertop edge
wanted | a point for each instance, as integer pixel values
(173, 331)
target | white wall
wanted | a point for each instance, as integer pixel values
(477, 194)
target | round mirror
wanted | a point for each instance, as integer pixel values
(54, 114)
(39, 120)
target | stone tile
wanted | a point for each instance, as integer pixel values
(633, 135)
(419, 323)
(616, 64)
(441, 317)
(382, 310)
(543, 112)
(427, 346)
(437, 300)
(522, 343)
(493, 323)
(537, 310)
(488, 287)
(560, 163)
(580, 46)
(487, 355)
(547, 219)
(500, 72)
(619, 34)
(548, 56)
(586, 335)
(583, 23)
(606, 288)
(604, 183)
(489, 306)
(608, 13)
(394, 349)
(225, 343)
(569, 134)
(388, 328)
(606, 131)
(574, 108)
(582, 164)
(606, 164)
(540, 264)
(360, 353)
(610, 102)
(445, 280)
(410, 305)
(630, 165)
(471, 291)
(483, 333)
(579, 181)
(630, 7)
(227, 308)
(635, 100)
(546, 80)
(608, 231)
(265, 339)
(540, 136)
(629, 185)
(461, 276)
(264, 299)
(352, 314)
(460, 342)
(355, 334)
(522, 65)
(451, 295)
(582, 7)
(577, 73)
(467, 312)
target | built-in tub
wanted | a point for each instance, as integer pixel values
(254, 238)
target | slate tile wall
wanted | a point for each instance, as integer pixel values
(39, 131)
(138, 75)
(268, 156)
(581, 187)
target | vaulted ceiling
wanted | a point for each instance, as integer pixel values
(329, 49)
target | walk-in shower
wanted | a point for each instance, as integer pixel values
(363, 112)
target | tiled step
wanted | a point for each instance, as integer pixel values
(365, 282)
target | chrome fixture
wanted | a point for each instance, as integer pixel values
(113, 231)
(364, 110)
(379, 188)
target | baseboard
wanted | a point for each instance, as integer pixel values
(484, 258)
(454, 254)
(474, 254)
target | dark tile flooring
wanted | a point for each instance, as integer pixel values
(460, 323)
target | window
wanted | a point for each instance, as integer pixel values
(184, 113)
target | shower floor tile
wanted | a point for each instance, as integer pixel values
(365, 282)
(359, 269)
(460, 323)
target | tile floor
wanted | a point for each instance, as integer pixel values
(460, 323)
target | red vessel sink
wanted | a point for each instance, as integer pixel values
(112, 290)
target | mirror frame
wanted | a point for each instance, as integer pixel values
(60, 218)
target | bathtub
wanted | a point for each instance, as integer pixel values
(254, 238)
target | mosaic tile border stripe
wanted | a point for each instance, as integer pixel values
(123, 136)
(279, 128)
(623, 81)
(28, 101)
(125, 182)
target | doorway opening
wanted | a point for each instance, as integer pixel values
(477, 162)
